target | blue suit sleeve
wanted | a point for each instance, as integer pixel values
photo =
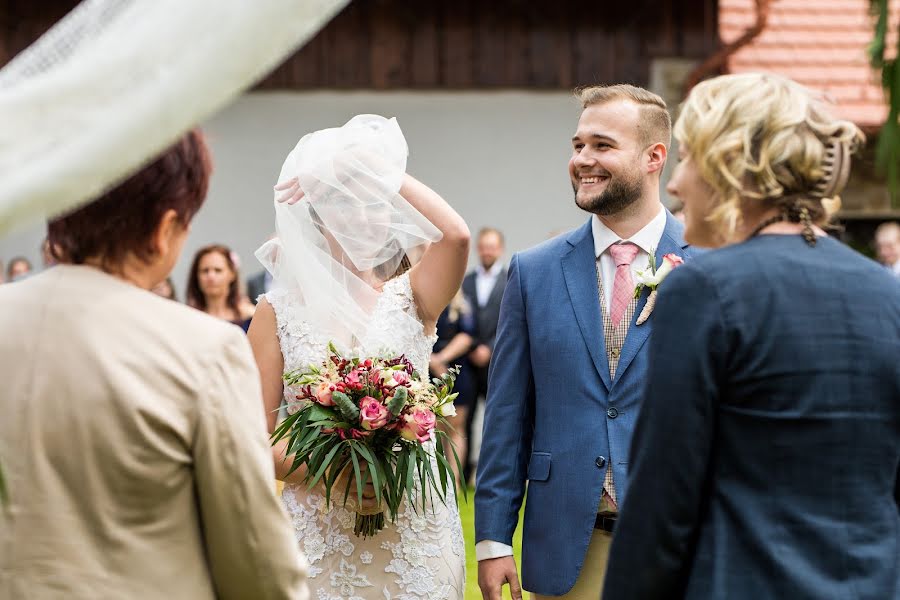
(658, 524)
(508, 421)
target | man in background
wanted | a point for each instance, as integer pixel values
(887, 245)
(483, 288)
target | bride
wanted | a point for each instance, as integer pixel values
(366, 257)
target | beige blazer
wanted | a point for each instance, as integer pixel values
(133, 439)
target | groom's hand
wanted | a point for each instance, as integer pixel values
(493, 573)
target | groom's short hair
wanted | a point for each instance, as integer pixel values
(656, 124)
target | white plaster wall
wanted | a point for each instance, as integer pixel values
(498, 157)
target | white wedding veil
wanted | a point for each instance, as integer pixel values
(117, 81)
(352, 231)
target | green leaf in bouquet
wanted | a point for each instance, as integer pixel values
(285, 426)
(356, 472)
(424, 489)
(442, 465)
(373, 466)
(411, 476)
(402, 458)
(398, 400)
(348, 409)
(317, 412)
(326, 462)
(332, 476)
(391, 485)
(429, 475)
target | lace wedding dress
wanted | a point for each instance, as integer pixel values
(421, 555)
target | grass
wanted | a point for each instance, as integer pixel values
(467, 516)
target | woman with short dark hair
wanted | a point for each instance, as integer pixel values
(133, 439)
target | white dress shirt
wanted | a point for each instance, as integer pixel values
(647, 240)
(485, 280)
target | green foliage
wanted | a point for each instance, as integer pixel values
(348, 409)
(398, 400)
(887, 155)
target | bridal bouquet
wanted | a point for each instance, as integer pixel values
(372, 418)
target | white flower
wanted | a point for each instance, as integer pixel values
(447, 410)
(651, 280)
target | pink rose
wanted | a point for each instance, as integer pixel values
(352, 377)
(372, 413)
(323, 394)
(417, 425)
(401, 377)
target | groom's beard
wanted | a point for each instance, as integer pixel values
(619, 194)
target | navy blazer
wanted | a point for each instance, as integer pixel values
(487, 316)
(766, 456)
(553, 415)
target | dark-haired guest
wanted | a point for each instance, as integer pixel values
(214, 286)
(132, 437)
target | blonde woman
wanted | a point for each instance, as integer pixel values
(765, 459)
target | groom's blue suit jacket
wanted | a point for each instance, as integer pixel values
(554, 417)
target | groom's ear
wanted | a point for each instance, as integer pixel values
(656, 156)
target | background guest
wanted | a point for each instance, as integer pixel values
(765, 458)
(165, 288)
(887, 246)
(483, 288)
(214, 286)
(18, 268)
(455, 331)
(259, 283)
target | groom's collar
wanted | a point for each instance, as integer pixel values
(647, 239)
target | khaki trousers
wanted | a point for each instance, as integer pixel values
(590, 581)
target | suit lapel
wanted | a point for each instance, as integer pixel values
(671, 242)
(497, 292)
(580, 272)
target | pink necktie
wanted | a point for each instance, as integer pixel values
(623, 285)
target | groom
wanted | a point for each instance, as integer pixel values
(570, 363)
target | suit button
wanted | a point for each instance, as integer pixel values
(600, 462)
(612, 412)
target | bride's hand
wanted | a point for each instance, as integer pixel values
(369, 504)
(292, 192)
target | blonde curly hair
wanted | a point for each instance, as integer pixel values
(763, 137)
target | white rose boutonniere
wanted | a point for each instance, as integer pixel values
(651, 280)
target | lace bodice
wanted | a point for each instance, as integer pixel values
(420, 556)
(391, 331)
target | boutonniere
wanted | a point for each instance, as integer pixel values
(651, 280)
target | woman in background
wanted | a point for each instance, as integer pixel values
(214, 286)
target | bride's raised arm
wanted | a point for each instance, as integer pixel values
(438, 275)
